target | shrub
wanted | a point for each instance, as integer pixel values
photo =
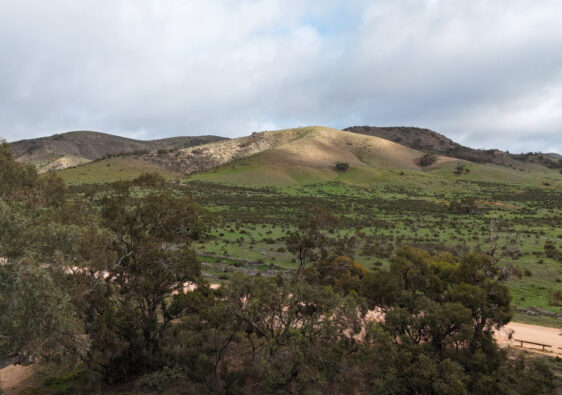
(427, 160)
(342, 166)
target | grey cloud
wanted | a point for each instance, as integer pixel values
(484, 73)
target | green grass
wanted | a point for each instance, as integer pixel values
(66, 383)
(527, 175)
(387, 215)
(110, 170)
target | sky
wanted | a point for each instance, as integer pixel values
(487, 74)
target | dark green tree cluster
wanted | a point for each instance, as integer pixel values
(37, 317)
(439, 323)
(427, 160)
(342, 166)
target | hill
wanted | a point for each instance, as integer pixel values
(70, 149)
(416, 138)
(309, 155)
(430, 141)
(550, 160)
(291, 156)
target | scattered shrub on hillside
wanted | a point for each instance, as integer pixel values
(342, 166)
(461, 169)
(427, 160)
(463, 206)
(150, 180)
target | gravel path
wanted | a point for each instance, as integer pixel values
(531, 333)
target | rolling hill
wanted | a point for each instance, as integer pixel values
(288, 156)
(416, 138)
(313, 148)
(308, 155)
(70, 149)
(284, 157)
(429, 141)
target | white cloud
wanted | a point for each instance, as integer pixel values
(487, 73)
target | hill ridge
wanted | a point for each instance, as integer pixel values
(431, 141)
(73, 148)
(312, 146)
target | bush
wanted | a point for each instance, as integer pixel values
(342, 166)
(157, 380)
(427, 160)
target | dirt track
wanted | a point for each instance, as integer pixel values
(14, 378)
(532, 333)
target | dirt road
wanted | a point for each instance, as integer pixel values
(14, 378)
(531, 333)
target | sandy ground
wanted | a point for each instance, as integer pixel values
(532, 333)
(14, 378)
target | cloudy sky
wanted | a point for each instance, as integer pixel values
(485, 73)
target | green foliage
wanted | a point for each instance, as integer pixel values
(439, 323)
(342, 166)
(427, 160)
(16, 179)
(150, 180)
(37, 318)
(463, 206)
(299, 333)
(147, 261)
(460, 169)
(307, 240)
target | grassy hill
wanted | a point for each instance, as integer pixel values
(70, 149)
(121, 168)
(429, 141)
(299, 156)
(417, 138)
(308, 155)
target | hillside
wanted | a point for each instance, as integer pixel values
(550, 160)
(416, 138)
(282, 157)
(430, 141)
(297, 156)
(70, 149)
(309, 155)
(311, 147)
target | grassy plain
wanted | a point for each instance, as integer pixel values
(390, 210)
